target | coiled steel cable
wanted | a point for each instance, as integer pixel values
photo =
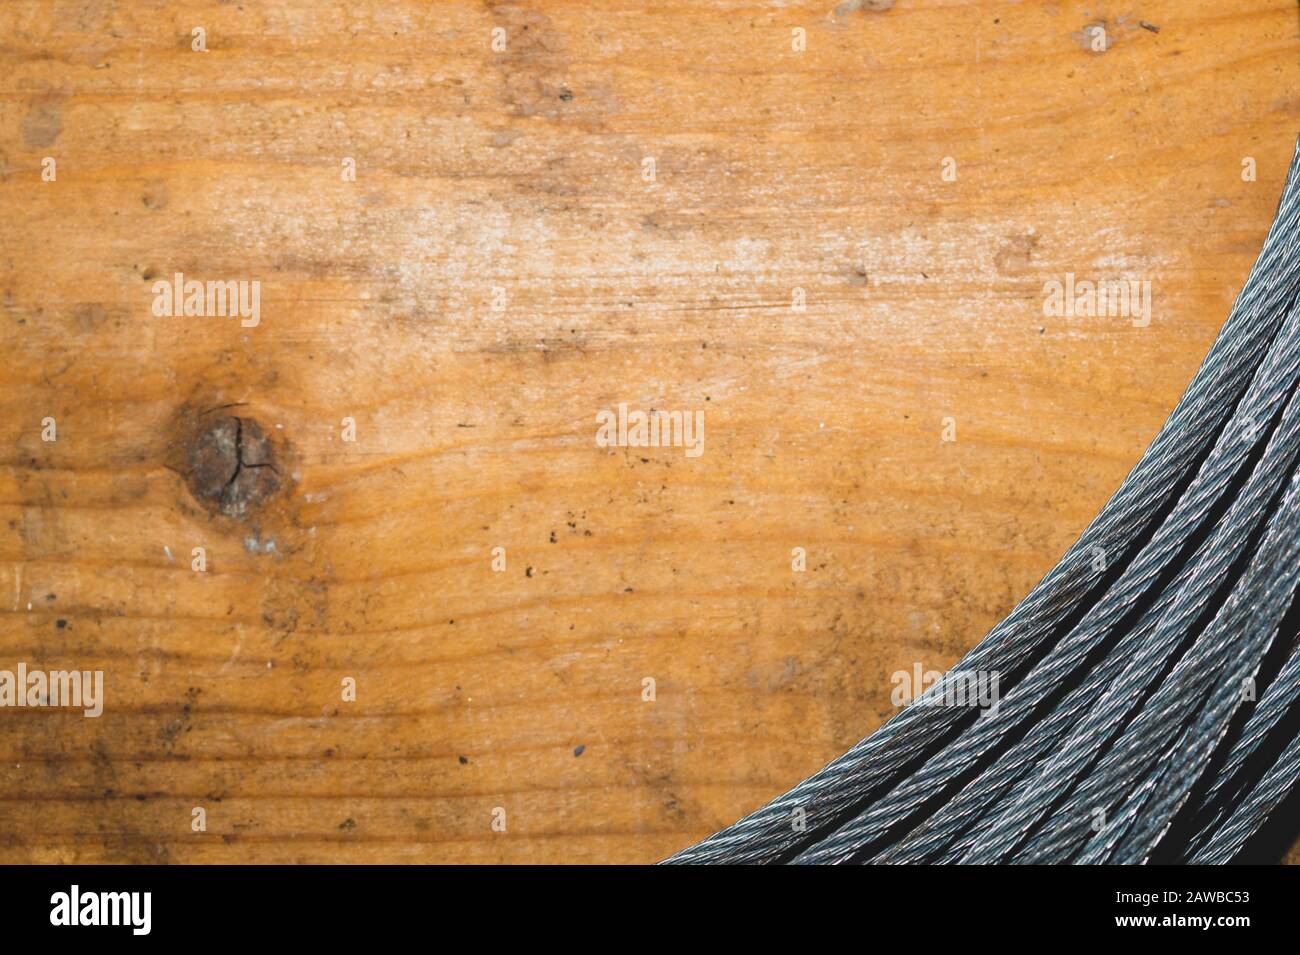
(1277, 375)
(1241, 632)
(1254, 810)
(1121, 676)
(1070, 823)
(1216, 803)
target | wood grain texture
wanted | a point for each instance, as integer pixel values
(523, 170)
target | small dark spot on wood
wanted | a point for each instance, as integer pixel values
(871, 6)
(60, 624)
(155, 195)
(43, 122)
(231, 466)
(577, 750)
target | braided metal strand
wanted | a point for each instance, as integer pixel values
(1254, 810)
(875, 766)
(1140, 740)
(1269, 388)
(1277, 699)
(1246, 626)
(962, 823)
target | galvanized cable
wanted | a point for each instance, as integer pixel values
(1245, 628)
(1083, 757)
(1252, 812)
(962, 823)
(1044, 637)
(1276, 376)
(1213, 806)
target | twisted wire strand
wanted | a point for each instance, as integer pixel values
(1148, 810)
(1268, 389)
(1245, 628)
(961, 823)
(1252, 812)
(1277, 699)
(1279, 695)
(851, 785)
(1136, 738)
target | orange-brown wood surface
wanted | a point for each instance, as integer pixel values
(505, 265)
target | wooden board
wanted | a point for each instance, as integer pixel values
(504, 268)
